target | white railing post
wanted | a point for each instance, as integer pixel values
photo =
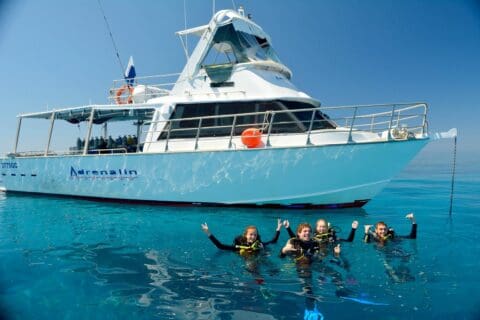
(389, 135)
(139, 132)
(270, 125)
(169, 124)
(198, 133)
(310, 127)
(351, 125)
(232, 131)
(424, 122)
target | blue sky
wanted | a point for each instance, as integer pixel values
(58, 53)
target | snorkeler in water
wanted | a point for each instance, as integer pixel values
(247, 243)
(382, 233)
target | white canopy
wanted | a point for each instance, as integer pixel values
(101, 114)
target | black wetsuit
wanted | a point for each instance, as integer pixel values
(330, 237)
(240, 243)
(306, 250)
(391, 235)
(395, 260)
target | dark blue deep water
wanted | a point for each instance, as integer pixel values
(75, 259)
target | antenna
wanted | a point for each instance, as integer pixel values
(111, 37)
(185, 24)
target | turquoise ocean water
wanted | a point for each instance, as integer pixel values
(76, 259)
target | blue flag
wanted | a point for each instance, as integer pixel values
(130, 72)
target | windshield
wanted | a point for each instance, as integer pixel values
(231, 46)
(225, 118)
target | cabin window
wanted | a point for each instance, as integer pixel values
(218, 118)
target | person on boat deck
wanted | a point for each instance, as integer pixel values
(303, 247)
(247, 243)
(324, 234)
(382, 233)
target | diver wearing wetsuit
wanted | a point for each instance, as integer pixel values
(249, 242)
(382, 233)
(324, 234)
(302, 247)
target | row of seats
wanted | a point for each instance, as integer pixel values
(128, 142)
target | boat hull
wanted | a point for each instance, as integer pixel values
(313, 176)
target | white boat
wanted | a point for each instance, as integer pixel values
(231, 130)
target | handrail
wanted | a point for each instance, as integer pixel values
(166, 75)
(363, 116)
(150, 82)
(385, 122)
(276, 111)
(411, 105)
(69, 152)
(382, 123)
(215, 93)
(356, 121)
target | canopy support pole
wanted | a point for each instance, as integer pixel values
(52, 121)
(139, 123)
(18, 135)
(89, 132)
(105, 130)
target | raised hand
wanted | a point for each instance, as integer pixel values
(279, 224)
(286, 223)
(288, 248)
(410, 217)
(367, 227)
(337, 250)
(205, 228)
(355, 224)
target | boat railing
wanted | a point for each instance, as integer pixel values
(385, 122)
(71, 152)
(106, 151)
(400, 121)
(142, 89)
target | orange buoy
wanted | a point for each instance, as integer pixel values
(252, 137)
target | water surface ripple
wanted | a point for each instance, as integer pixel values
(75, 259)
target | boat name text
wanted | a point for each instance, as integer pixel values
(9, 165)
(103, 174)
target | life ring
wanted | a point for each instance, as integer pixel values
(119, 95)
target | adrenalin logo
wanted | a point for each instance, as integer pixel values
(103, 174)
